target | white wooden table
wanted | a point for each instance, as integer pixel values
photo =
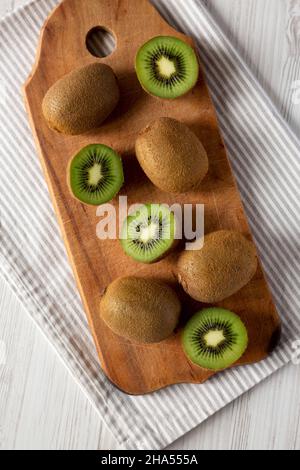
(41, 407)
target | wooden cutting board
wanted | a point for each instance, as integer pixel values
(136, 369)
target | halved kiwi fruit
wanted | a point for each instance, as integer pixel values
(149, 234)
(96, 174)
(167, 67)
(215, 339)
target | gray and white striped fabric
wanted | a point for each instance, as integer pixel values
(265, 157)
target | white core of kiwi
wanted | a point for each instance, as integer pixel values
(95, 174)
(151, 232)
(166, 67)
(214, 337)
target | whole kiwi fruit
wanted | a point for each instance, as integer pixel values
(172, 156)
(226, 263)
(141, 310)
(81, 100)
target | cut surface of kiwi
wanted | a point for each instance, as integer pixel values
(96, 174)
(167, 67)
(215, 339)
(149, 234)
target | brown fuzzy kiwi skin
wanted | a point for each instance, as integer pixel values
(172, 156)
(82, 100)
(226, 263)
(141, 310)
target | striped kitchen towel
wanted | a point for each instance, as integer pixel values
(265, 155)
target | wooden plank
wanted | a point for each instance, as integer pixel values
(96, 263)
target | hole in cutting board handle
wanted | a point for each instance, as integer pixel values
(100, 42)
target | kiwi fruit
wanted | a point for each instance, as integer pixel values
(225, 264)
(81, 100)
(172, 156)
(140, 310)
(149, 234)
(96, 174)
(167, 67)
(215, 339)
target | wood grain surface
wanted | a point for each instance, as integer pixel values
(42, 407)
(96, 263)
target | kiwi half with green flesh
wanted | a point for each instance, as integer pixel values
(96, 175)
(167, 67)
(149, 234)
(140, 310)
(215, 339)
